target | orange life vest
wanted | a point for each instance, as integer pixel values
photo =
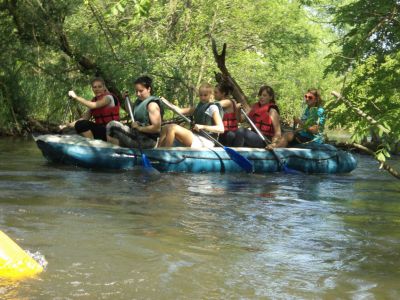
(230, 120)
(259, 114)
(105, 114)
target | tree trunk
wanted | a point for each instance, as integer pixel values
(237, 93)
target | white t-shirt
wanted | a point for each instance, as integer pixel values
(112, 102)
(211, 110)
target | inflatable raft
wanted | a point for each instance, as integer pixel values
(95, 154)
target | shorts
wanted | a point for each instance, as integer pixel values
(201, 142)
(130, 138)
(98, 130)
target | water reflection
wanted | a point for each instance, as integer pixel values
(121, 235)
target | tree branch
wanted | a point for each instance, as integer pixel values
(237, 93)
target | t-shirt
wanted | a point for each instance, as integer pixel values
(112, 101)
(313, 116)
(211, 110)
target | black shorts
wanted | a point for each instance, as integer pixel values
(98, 131)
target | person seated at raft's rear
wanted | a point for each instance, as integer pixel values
(311, 124)
(207, 117)
(147, 114)
(104, 107)
(265, 116)
(231, 117)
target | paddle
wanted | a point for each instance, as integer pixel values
(242, 161)
(281, 165)
(146, 162)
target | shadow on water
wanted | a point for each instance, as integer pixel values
(122, 235)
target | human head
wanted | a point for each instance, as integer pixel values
(313, 97)
(266, 94)
(98, 85)
(143, 87)
(205, 92)
(222, 90)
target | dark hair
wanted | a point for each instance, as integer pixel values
(225, 88)
(317, 95)
(97, 79)
(146, 81)
(269, 90)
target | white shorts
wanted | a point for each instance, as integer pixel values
(200, 142)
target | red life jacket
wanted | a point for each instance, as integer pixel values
(105, 114)
(230, 120)
(259, 114)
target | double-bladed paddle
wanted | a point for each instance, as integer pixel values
(242, 161)
(146, 162)
(281, 165)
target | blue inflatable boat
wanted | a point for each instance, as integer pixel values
(95, 154)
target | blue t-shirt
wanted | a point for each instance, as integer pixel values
(313, 116)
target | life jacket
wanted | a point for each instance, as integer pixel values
(259, 114)
(105, 114)
(230, 120)
(200, 116)
(140, 112)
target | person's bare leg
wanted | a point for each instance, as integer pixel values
(87, 134)
(112, 140)
(183, 135)
(284, 140)
(163, 134)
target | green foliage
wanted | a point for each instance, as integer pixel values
(279, 43)
(370, 53)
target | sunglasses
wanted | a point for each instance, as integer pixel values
(309, 97)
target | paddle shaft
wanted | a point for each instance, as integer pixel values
(280, 163)
(266, 141)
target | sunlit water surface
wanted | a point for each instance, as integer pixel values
(200, 236)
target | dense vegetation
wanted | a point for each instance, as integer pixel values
(48, 47)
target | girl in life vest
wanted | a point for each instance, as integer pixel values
(104, 107)
(311, 124)
(207, 116)
(147, 113)
(231, 112)
(265, 115)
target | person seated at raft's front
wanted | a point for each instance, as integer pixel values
(311, 123)
(147, 113)
(104, 107)
(207, 116)
(265, 116)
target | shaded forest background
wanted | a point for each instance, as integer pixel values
(48, 47)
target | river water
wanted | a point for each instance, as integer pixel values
(200, 236)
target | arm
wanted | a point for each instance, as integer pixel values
(89, 104)
(315, 123)
(218, 128)
(155, 120)
(225, 103)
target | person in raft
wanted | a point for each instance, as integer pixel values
(147, 113)
(104, 108)
(207, 116)
(265, 116)
(231, 117)
(311, 124)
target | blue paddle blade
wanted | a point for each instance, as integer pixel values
(288, 170)
(242, 161)
(147, 165)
